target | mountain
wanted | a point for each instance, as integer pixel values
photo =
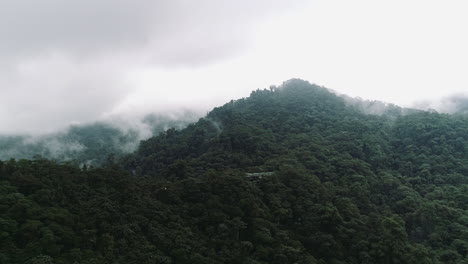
(291, 174)
(90, 144)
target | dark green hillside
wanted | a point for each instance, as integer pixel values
(252, 132)
(293, 174)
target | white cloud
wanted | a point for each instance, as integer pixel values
(68, 61)
(77, 61)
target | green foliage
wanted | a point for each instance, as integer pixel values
(289, 175)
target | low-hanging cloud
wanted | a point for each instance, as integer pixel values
(453, 104)
(67, 61)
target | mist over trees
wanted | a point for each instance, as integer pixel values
(291, 174)
(373, 107)
(91, 144)
(455, 104)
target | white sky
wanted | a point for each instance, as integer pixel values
(395, 51)
(205, 54)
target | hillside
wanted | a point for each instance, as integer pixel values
(90, 144)
(291, 174)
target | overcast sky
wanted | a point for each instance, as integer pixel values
(64, 62)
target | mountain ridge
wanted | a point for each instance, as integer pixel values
(338, 186)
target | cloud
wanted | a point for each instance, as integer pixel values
(30, 28)
(65, 62)
(46, 94)
(455, 103)
(168, 31)
(69, 61)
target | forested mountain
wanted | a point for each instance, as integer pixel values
(91, 144)
(291, 174)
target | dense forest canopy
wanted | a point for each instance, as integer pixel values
(291, 174)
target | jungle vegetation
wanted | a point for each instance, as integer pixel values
(291, 174)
